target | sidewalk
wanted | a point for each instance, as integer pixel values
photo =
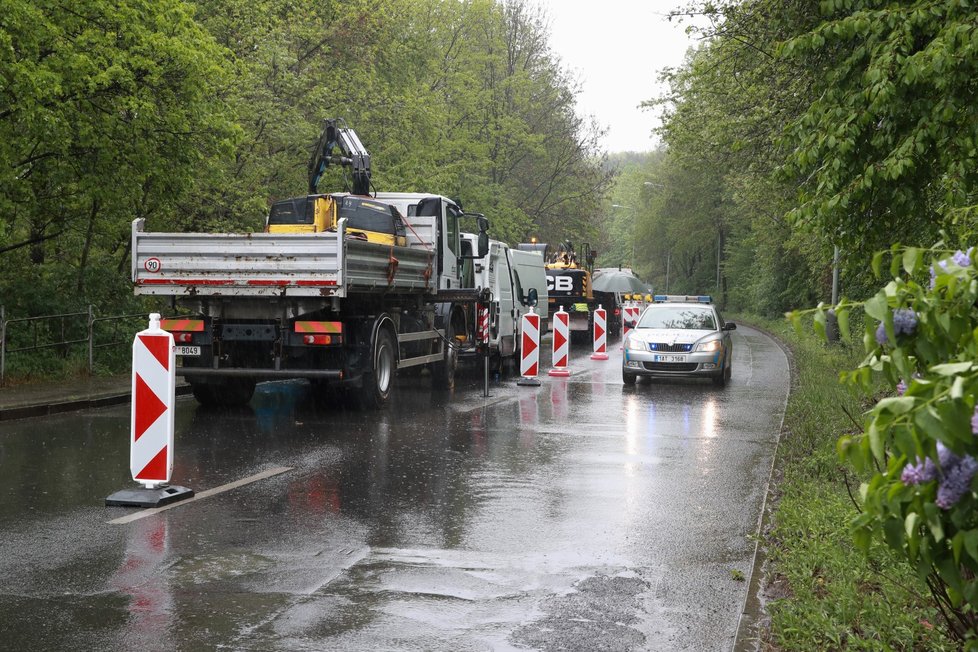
(50, 397)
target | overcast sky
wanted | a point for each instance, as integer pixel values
(617, 48)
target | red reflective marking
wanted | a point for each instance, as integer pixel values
(559, 339)
(532, 371)
(225, 282)
(562, 362)
(156, 469)
(148, 408)
(529, 346)
(173, 281)
(159, 346)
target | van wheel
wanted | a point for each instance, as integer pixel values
(377, 382)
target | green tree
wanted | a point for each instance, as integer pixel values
(109, 111)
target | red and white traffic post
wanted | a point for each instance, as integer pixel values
(529, 349)
(600, 334)
(153, 402)
(482, 333)
(561, 344)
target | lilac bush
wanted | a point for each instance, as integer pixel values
(918, 453)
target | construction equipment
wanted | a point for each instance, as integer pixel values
(319, 295)
(569, 285)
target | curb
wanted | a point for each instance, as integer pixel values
(73, 405)
(753, 617)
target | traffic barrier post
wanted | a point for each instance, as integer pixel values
(482, 334)
(151, 423)
(529, 349)
(561, 344)
(600, 334)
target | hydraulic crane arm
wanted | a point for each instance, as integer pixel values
(353, 154)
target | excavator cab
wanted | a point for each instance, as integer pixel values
(366, 218)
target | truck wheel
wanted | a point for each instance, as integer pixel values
(443, 373)
(378, 381)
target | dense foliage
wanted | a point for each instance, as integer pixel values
(197, 114)
(799, 126)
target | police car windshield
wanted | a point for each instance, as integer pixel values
(678, 317)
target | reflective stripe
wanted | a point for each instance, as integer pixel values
(319, 327)
(182, 325)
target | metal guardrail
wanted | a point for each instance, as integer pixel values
(66, 332)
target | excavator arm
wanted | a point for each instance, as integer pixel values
(336, 134)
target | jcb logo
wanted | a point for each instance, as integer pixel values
(560, 283)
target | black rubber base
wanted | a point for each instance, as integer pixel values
(143, 497)
(528, 382)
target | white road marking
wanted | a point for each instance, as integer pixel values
(201, 495)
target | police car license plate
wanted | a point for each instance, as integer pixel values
(188, 350)
(669, 358)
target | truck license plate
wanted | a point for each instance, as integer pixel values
(670, 358)
(188, 350)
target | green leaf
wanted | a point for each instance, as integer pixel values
(842, 316)
(875, 442)
(912, 259)
(952, 368)
(876, 307)
(910, 524)
(819, 323)
(877, 264)
(897, 404)
(933, 514)
(971, 544)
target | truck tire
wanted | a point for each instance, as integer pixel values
(378, 381)
(233, 392)
(443, 373)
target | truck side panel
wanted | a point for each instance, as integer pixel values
(277, 264)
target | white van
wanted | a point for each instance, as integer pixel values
(509, 274)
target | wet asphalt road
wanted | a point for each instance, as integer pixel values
(580, 515)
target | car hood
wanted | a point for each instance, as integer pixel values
(670, 336)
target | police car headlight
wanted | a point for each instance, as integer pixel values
(635, 344)
(709, 347)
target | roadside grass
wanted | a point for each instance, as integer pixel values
(823, 593)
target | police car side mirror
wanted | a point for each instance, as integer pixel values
(730, 326)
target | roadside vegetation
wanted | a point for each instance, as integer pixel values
(824, 592)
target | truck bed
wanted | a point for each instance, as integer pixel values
(281, 264)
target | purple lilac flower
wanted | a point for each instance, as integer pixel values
(956, 482)
(946, 458)
(904, 321)
(901, 387)
(962, 258)
(974, 422)
(881, 334)
(923, 471)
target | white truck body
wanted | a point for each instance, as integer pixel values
(509, 274)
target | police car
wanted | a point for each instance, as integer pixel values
(679, 336)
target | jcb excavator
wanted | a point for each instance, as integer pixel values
(367, 218)
(569, 286)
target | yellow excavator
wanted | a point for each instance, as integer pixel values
(366, 218)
